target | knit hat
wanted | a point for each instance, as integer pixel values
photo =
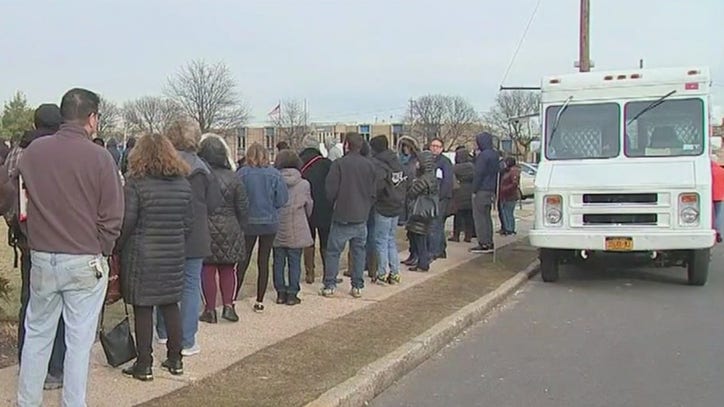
(379, 144)
(310, 141)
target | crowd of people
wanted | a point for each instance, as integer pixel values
(182, 216)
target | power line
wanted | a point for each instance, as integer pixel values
(520, 43)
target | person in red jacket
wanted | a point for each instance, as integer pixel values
(717, 196)
(509, 195)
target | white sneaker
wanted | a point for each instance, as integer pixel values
(162, 341)
(194, 350)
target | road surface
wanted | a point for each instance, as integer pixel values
(598, 337)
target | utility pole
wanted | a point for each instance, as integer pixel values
(584, 55)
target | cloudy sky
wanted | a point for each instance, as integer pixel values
(351, 59)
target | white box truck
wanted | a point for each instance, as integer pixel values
(625, 167)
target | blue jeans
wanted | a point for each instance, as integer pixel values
(386, 243)
(339, 235)
(370, 248)
(190, 304)
(282, 255)
(436, 242)
(61, 284)
(507, 212)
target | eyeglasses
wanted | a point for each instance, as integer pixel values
(435, 145)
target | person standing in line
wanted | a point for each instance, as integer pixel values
(425, 185)
(112, 147)
(315, 169)
(407, 150)
(391, 192)
(152, 248)
(509, 195)
(267, 193)
(462, 196)
(371, 259)
(206, 197)
(226, 225)
(47, 120)
(333, 150)
(717, 196)
(350, 186)
(74, 216)
(485, 182)
(293, 234)
(444, 175)
(130, 143)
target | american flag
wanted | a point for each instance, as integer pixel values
(276, 110)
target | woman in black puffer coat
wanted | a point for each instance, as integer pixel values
(226, 225)
(418, 227)
(463, 195)
(152, 245)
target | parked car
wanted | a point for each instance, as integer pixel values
(527, 179)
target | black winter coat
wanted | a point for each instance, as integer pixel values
(206, 198)
(424, 184)
(316, 174)
(158, 218)
(464, 171)
(227, 222)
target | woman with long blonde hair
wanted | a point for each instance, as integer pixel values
(152, 245)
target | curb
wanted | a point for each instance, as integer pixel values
(374, 378)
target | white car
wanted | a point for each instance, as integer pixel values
(527, 179)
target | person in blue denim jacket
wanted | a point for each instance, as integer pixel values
(267, 193)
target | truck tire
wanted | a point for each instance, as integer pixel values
(698, 267)
(548, 265)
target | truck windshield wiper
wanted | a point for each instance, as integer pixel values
(650, 107)
(558, 118)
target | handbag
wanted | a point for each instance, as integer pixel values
(118, 343)
(113, 294)
(425, 206)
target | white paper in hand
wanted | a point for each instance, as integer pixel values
(438, 173)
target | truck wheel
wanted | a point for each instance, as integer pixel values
(548, 265)
(698, 266)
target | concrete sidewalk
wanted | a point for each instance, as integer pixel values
(226, 343)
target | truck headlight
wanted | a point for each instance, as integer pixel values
(553, 209)
(689, 209)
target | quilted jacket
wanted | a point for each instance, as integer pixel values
(228, 220)
(294, 230)
(158, 219)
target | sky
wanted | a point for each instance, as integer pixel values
(352, 60)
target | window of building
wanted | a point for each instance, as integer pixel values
(241, 140)
(269, 137)
(364, 130)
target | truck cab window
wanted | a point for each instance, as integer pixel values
(584, 131)
(674, 128)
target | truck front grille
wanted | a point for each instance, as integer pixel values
(621, 219)
(620, 198)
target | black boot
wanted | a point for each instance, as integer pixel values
(229, 313)
(175, 367)
(138, 372)
(209, 317)
(281, 298)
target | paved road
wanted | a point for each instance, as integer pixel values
(596, 338)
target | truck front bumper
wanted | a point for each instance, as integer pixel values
(642, 240)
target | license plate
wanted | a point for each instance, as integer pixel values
(619, 244)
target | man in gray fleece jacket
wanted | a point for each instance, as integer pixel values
(350, 186)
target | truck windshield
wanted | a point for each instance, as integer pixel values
(674, 128)
(584, 131)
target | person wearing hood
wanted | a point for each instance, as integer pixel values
(47, 120)
(391, 192)
(112, 147)
(370, 250)
(226, 226)
(407, 152)
(485, 183)
(350, 186)
(462, 196)
(315, 169)
(267, 194)
(293, 234)
(206, 198)
(333, 150)
(423, 194)
(445, 179)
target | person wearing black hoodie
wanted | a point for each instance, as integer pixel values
(485, 182)
(47, 120)
(391, 193)
(315, 168)
(462, 196)
(425, 190)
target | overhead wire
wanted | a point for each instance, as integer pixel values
(520, 42)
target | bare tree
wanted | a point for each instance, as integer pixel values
(110, 116)
(291, 122)
(208, 95)
(510, 117)
(150, 114)
(451, 118)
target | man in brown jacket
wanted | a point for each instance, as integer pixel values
(74, 216)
